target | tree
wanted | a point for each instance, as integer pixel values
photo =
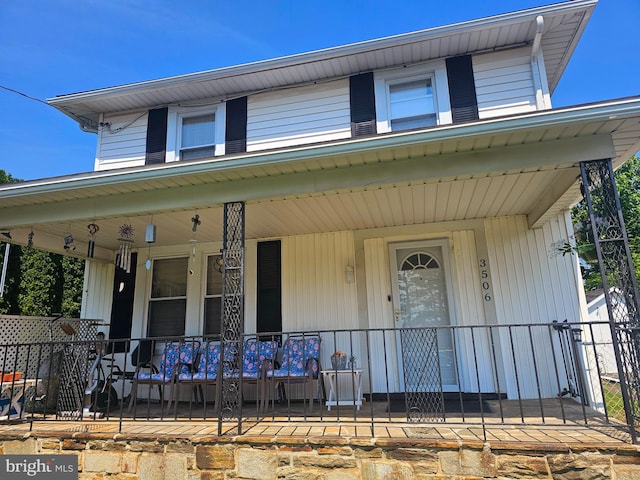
(40, 283)
(627, 180)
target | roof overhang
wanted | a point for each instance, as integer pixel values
(563, 26)
(531, 160)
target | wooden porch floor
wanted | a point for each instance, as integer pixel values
(370, 425)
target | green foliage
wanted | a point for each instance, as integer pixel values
(40, 283)
(627, 180)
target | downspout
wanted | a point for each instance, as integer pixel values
(5, 263)
(537, 68)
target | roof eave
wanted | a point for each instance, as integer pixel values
(548, 118)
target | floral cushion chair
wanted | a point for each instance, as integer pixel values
(300, 362)
(206, 373)
(177, 358)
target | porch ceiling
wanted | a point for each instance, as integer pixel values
(521, 165)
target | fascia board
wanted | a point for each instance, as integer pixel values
(548, 118)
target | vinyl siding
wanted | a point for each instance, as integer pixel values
(125, 148)
(299, 116)
(531, 284)
(504, 83)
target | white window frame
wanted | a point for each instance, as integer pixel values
(174, 134)
(151, 299)
(436, 70)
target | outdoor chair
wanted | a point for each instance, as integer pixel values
(299, 364)
(178, 357)
(257, 356)
(206, 371)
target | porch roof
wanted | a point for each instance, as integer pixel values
(524, 164)
(563, 26)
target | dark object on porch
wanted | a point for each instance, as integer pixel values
(452, 404)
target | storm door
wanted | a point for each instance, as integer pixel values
(421, 283)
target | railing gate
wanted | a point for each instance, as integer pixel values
(617, 272)
(229, 401)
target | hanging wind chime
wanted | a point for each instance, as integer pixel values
(93, 229)
(123, 259)
(195, 220)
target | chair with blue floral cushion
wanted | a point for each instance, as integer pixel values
(177, 358)
(300, 363)
(206, 372)
(257, 355)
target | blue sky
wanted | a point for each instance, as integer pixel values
(56, 47)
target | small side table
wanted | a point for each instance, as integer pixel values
(332, 377)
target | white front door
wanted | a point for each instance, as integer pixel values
(421, 298)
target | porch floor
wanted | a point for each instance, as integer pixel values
(372, 424)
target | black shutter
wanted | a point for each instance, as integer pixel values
(156, 136)
(462, 89)
(269, 302)
(122, 305)
(236, 127)
(363, 105)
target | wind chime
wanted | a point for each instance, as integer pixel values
(195, 220)
(123, 259)
(93, 229)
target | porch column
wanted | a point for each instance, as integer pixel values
(617, 271)
(229, 394)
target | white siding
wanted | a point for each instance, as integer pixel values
(504, 83)
(97, 290)
(126, 147)
(298, 116)
(532, 284)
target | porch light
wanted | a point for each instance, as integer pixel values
(349, 274)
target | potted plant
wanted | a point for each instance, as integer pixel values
(339, 360)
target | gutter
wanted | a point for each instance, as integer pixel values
(548, 118)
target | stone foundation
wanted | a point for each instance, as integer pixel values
(102, 456)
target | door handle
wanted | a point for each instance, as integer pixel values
(397, 315)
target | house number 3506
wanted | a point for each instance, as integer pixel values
(484, 277)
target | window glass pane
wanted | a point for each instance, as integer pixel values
(413, 122)
(198, 131)
(212, 315)
(411, 99)
(166, 317)
(214, 277)
(194, 153)
(169, 278)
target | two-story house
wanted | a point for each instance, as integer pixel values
(423, 179)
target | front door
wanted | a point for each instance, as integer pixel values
(421, 298)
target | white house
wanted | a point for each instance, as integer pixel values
(417, 180)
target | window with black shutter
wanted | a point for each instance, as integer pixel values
(156, 136)
(363, 105)
(462, 89)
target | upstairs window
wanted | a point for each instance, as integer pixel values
(412, 97)
(195, 132)
(198, 138)
(412, 105)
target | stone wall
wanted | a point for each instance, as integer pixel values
(102, 456)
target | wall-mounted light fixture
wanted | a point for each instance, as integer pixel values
(349, 274)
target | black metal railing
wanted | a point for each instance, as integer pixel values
(535, 374)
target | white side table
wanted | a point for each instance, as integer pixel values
(346, 394)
